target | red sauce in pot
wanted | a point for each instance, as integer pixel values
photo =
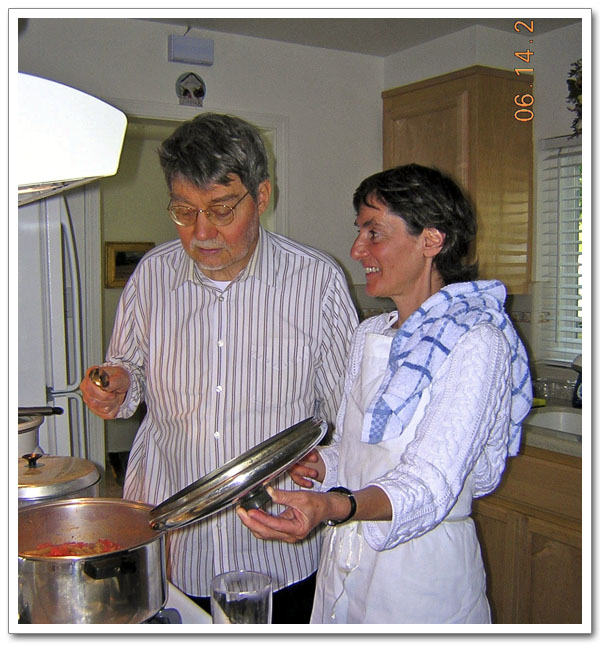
(74, 549)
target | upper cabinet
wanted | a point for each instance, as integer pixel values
(464, 124)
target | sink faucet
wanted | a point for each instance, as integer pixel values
(576, 366)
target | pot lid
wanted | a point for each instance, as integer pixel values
(241, 479)
(54, 476)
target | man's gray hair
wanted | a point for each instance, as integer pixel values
(210, 148)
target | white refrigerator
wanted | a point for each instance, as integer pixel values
(59, 325)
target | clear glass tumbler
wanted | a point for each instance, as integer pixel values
(241, 597)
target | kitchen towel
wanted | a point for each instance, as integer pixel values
(424, 341)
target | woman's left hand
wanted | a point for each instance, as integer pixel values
(303, 513)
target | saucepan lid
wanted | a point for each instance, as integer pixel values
(241, 479)
(42, 476)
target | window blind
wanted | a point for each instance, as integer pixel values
(560, 251)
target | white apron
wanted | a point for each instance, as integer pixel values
(435, 578)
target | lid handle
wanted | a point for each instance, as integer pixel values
(32, 459)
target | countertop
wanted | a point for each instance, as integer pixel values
(551, 440)
(563, 443)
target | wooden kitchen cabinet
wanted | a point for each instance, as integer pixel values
(530, 535)
(464, 124)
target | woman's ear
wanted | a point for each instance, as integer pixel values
(433, 241)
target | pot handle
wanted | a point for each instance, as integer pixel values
(108, 567)
(41, 410)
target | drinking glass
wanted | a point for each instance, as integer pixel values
(241, 597)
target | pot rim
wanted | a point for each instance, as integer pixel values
(154, 535)
(29, 422)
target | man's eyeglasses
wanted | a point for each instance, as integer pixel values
(218, 214)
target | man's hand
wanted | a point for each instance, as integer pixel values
(106, 401)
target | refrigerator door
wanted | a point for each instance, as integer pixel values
(69, 430)
(55, 310)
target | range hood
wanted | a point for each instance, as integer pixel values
(66, 138)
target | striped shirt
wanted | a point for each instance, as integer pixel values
(220, 371)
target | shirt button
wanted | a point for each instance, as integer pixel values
(216, 435)
(220, 343)
(219, 388)
(221, 298)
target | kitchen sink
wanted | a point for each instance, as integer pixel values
(563, 420)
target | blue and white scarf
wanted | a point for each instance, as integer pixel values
(424, 341)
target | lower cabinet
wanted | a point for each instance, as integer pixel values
(530, 535)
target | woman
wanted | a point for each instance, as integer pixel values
(434, 397)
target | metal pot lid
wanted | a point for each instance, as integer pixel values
(29, 422)
(241, 479)
(54, 476)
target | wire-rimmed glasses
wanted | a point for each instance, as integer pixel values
(218, 214)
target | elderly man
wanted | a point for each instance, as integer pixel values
(229, 334)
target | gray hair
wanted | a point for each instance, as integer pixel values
(211, 148)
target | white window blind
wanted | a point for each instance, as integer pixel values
(560, 251)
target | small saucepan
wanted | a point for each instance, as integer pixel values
(30, 420)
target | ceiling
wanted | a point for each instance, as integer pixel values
(370, 36)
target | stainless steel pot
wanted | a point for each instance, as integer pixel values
(44, 478)
(126, 586)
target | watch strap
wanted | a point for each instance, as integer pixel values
(350, 496)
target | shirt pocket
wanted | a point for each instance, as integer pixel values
(281, 371)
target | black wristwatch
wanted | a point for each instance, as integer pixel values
(350, 496)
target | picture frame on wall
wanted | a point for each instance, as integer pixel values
(121, 260)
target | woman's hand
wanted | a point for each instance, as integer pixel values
(310, 467)
(306, 510)
(106, 401)
(303, 513)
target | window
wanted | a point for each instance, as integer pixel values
(559, 252)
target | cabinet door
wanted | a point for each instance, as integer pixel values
(492, 531)
(502, 535)
(533, 566)
(554, 586)
(464, 124)
(429, 127)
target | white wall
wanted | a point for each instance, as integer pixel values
(332, 102)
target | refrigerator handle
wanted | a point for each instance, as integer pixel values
(67, 369)
(71, 255)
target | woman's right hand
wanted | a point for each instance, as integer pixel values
(106, 401)
(310, 468)
(303, 512)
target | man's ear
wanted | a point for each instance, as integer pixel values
(433, 241)
(263, 196)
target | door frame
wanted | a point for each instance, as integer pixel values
(276, 125)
